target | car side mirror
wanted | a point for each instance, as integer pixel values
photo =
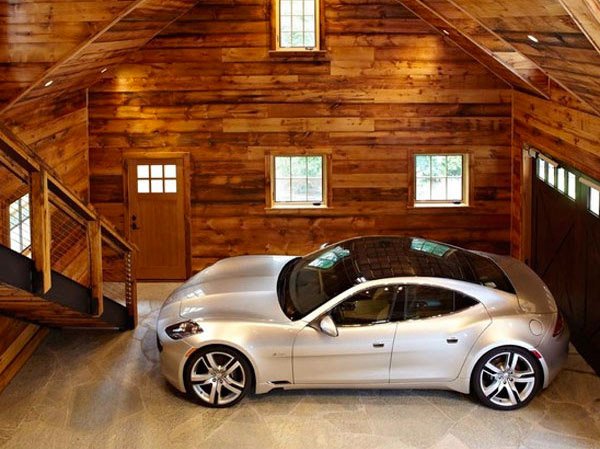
(328, 326)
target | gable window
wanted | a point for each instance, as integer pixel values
(297, 25)
(298, 181)
(441, 179)
(20, 234)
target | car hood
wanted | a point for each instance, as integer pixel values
(237, 288)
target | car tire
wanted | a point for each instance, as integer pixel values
(217, 377)
(507, 378)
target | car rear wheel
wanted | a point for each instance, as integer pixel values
(217, 377)
(507, 378)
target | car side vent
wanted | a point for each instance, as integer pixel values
(280, 382)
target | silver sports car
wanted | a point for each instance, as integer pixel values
(368, 312)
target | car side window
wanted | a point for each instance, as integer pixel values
(424, 301)
(369, 306)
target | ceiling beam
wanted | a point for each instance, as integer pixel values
(468, 34)
(586, 14)
(83, 66)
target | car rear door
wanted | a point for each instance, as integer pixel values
(362, 350)
(437, 328)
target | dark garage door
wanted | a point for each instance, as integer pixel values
(566, 249)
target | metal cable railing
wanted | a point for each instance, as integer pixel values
(44, 220)
(69, 245)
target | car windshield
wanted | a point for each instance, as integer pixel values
(306, 283)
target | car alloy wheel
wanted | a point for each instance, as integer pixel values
(218, 377)
(507, 378)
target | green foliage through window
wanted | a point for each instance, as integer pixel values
(298, 179)
(439, 177)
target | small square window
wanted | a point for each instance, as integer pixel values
(170, 171)
(156, 185)
(143, 186)
(298, 181)
(143, 171)
(170, 186)
(440, 179)
(156, 171)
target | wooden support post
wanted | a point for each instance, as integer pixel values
(40, 232)
(131, 289)
(95, 241)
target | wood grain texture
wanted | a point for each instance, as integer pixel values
(36, 34)
(564, 51)
(496, 54)
(82, 65)
(561, 130)
(388, 85)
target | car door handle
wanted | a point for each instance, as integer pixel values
(451, 340)
(378, 345)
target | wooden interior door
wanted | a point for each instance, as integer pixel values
(156, 217)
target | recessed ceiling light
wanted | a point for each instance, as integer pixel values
(446, 32)
(48, 83)
(532, 38)
(104, 69)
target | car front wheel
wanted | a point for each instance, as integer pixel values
(507, 378)
(217, 377)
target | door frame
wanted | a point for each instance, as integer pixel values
(187, 205)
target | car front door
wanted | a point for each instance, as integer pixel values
(436, 330)
(361, 351)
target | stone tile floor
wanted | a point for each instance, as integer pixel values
(95, 389)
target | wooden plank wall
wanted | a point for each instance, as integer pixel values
(563, 128)
(56, 130)
(386, 86)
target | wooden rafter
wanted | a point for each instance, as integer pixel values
(500, 58)
(551, 34)
(586, 14)
(129, 31)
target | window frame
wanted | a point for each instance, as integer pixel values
(467, 181)
(277, 49)
(270, 177)
(395, 287)
(439, 287)
(22, 249)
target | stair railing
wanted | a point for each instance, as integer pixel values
(64, 233)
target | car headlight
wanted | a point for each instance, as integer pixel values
(183, 329)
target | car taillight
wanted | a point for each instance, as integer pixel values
(559, 325)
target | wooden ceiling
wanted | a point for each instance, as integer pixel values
(559, 36)
(70, 42)
(73, 43)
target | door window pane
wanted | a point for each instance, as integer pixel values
(367, 307)
(143, 186)
(170, 186)
(143, 171)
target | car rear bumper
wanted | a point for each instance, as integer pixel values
(554, 351)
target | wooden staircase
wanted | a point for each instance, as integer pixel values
(62, 278)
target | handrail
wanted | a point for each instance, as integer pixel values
(22, 160)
